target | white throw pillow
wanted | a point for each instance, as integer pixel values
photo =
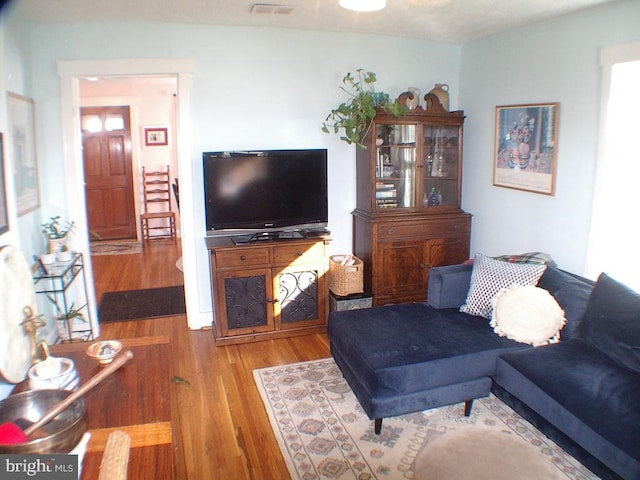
(527, 314)
(489, 276)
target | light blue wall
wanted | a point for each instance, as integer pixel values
(554, 61)
(252, 88)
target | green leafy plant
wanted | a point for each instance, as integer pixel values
(70, 314)
(355, 115)
(56, 228)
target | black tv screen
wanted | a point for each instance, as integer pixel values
(265, 190)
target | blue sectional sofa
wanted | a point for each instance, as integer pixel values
(584, 391)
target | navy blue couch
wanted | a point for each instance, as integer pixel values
(584, 392)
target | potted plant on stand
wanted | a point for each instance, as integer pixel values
(354, 116)
(56, 232)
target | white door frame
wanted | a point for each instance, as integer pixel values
(70, 72)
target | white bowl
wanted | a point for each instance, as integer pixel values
(104, 351)
(54, 373)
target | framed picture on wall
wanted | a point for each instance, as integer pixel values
(4, 216)
(156, 136)
(22, 151)
(526, 147)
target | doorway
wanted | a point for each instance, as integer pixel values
(71, 74)
(106, 150)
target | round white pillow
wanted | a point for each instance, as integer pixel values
(527, 314)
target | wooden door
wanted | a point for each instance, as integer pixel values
(106, 142)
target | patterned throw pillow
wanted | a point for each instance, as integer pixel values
(489, 276)
(528, 315)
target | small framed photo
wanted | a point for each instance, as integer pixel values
(526, 146)
(156, 136)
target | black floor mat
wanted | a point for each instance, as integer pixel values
(138, 304)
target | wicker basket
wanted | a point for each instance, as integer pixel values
(345, 279)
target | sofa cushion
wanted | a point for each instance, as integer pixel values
(489, 276)
(582, 392)
(448, 285)
(412, 347)
(612, 321)
(527, 314)
(572, 293)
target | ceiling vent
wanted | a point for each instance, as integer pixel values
(271, 9)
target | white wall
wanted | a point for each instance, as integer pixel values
(252, 88)
(554, 61)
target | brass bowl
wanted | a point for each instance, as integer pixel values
(61, 434)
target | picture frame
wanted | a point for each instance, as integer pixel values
(526, 146)
(22, 152)
(4, 215)
(156, 136)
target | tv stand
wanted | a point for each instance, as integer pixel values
(268, 289)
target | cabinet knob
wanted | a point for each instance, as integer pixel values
(422, 265)
(299, 253)
(243, 257)
(391, 231)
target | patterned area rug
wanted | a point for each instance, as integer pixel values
(324, 434)
(116, 247)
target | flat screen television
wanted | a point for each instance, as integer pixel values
(265, 192)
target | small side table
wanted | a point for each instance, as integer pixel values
(349, 302)
(55, 282)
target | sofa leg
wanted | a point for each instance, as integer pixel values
(377, 426)
(467, 407)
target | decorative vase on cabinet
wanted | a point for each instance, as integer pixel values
(410, 220)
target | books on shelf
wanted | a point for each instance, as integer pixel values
(386, 195)
(391, 193)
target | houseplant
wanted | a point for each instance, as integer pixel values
(354, 116)
(56, 232)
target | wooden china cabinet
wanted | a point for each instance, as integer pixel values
(408, 216)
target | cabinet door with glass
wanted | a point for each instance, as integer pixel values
(442, 157)
(395, 169)
(415, 162)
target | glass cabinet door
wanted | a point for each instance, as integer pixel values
(396, 166)
(441, 158)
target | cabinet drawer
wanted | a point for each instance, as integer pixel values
(422, 229)
(298, 254)
(241, 257)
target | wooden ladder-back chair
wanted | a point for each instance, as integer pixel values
(158, 220)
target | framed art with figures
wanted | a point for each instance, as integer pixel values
(526, 146)
(4, 216)
(22, 151)
(156, 136)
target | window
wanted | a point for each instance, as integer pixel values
(615, 223)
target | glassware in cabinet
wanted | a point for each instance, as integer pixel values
(441, 154)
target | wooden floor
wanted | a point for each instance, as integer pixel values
(224, 431)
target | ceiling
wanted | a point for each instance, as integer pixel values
(451, 21)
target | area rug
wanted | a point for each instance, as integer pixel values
(323, 433)
(138, 304)
(116, 247)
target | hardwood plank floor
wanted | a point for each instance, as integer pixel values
(223, 429)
